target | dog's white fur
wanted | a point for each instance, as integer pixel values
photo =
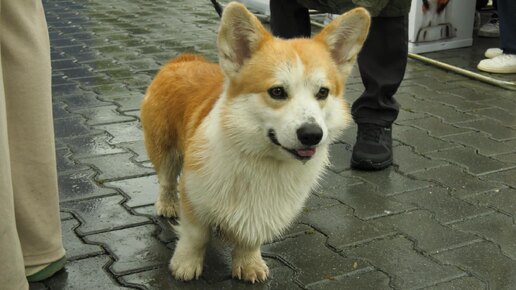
(243, 184)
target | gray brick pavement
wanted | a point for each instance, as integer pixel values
(443, 217)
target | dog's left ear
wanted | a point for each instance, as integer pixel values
(345, 36)
(240, 35)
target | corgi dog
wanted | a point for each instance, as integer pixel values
(239, 145)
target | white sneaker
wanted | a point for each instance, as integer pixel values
(490, 29)
(503, 64)
(493, 52)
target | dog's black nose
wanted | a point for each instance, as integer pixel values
(309, 134)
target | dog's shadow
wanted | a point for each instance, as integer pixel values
(217, 267)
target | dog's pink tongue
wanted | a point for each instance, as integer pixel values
(309, 152)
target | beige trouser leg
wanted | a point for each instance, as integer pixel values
(27, 151)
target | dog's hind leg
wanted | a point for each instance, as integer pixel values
(169, 170)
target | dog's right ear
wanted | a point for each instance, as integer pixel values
(345, 36)
(240, 35)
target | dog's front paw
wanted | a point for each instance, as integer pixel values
(186, 268)
(253, 271)
(167, 208)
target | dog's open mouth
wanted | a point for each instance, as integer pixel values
(301, 154)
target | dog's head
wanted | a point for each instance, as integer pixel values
(284, 98)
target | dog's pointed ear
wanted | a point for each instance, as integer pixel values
(240, 35)
(345, 36)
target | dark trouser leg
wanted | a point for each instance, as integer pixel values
(382, 63)
(507, 18)
(289, 19)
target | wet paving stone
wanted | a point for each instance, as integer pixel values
(91, 145)
(80, 185)
(59, 110)
(137, 147)
(370, 280)
(101, 65)
(91, 82)
(496, 130)
(446, 113)
(115, 89)
(420, 226)
(340, 156)
(311, 259)
(102, 214)
(141, 191)
(435, 127)
(146, 64)
(389, 182)
(120, 73)
(341, 227)
(506, 117)
(315, 202)
(408, 161)
(138, 82)
(60, 90)
(406, 266)
(507, 157)
(81, 100)
(128, 101)
(71, 127)
(80, 72)
(104, 115)
(483, 144)
(464, 283)
(64, 163)
(59, 79)
(279, 278)
(362, 197)
(66, 216)
(125, 167)
(506, 177)
(473, 162)
(85, 274)
(75, 248)
(123, 132)
(503, 200)
(484, 260)
(135, 248)
(458, 102)
(419, 139)
(461, 183)
(161, 278)
(443, 205)
(495, 227)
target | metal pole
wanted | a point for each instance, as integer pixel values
(500, 83)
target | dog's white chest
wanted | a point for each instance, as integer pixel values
(252, 202)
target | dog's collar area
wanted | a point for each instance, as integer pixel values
(303, 154)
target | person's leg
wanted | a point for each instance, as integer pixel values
(503, 60)
(289, 19)
(382, 63)
(12, 274)
(27, 87)
(507, 17)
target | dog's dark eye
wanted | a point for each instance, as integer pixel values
(322, 94)
(277, 93)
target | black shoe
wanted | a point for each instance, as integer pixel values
(373, 148)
